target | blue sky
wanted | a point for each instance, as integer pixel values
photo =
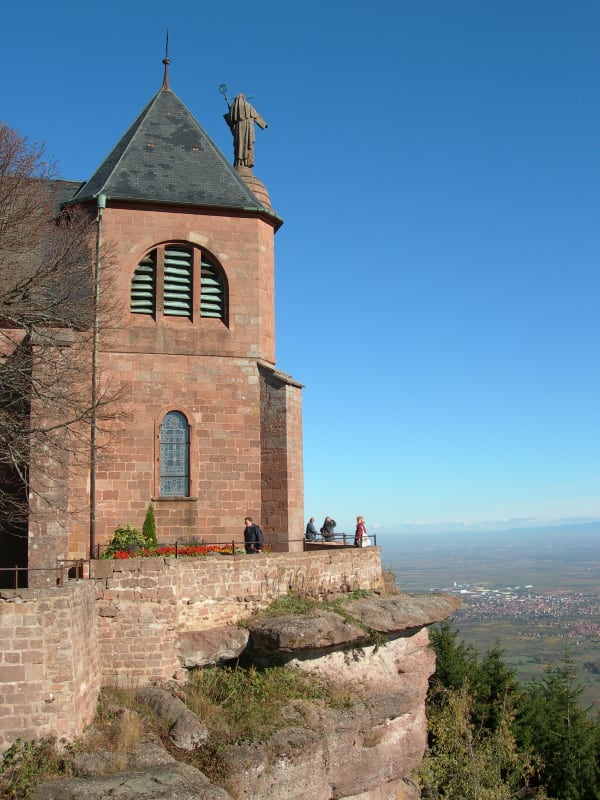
(437, 166)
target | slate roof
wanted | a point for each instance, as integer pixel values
(64, 190)
(166, 157)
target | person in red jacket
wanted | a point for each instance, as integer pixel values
(361, 538)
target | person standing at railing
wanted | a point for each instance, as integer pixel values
(361, 538)
(311, 531)
(253, 536)
(327, 528)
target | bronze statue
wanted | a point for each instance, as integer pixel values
(241, 118)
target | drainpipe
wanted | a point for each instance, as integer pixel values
(101, 205)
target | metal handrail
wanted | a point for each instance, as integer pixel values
(62, 566)
(347, 539)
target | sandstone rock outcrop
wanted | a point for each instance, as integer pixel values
(176, 781)
(186, 731)
(289, 633)
(199, 648)
(361, 747)
(373, 740)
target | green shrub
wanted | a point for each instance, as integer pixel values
(125, 537)
(149, 527)
(247, 703)
(292, 603)
(25, 764)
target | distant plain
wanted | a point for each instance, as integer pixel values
(556, 559)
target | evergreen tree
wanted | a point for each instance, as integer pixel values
(455, 661)
(149, 527)
(494, 687)
(553, 724)
(469, 761)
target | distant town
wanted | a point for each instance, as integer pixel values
(574, 615)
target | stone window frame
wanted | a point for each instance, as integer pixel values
(192, 477)
(155, 304)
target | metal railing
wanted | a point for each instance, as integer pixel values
(343, 539)
(75, 569)
(72, 569)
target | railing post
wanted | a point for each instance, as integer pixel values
(16, 576)
(233, 547)
(176, 550)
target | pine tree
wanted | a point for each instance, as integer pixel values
(455, 661)
(494, 686)
(469, 761)
(553, 724)
(149, 527)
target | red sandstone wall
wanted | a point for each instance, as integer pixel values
(223, 412)
(281, 462)
(58, 646)
(203, 367)
(49, 662)
(144, 603)
(243, 247)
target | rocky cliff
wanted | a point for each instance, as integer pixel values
(375, 649)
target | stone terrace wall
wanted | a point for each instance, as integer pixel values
(59, 645)
(49, 661)
(144, 603)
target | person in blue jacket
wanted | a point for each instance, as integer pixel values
(311, 531)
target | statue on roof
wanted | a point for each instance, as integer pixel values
(241, 118)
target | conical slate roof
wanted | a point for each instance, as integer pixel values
(166, 157)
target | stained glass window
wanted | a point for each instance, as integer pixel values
(174, 455)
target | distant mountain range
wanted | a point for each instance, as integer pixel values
(524, 527)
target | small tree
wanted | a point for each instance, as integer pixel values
(149, 527)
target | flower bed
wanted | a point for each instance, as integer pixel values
(176, 551)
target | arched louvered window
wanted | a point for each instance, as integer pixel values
(166, 283)
(143, 286)
(212, 292)
(174, 455)
(178, 283)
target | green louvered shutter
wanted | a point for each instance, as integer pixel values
(143, 286)
(212, 300)
(177, 296)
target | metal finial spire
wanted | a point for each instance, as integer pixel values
(166, 61)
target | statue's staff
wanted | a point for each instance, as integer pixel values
(223, 91)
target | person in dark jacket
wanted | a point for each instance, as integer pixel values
(327, 529)
(311, 531)
(253, 536)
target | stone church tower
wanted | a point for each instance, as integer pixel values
(213, 431)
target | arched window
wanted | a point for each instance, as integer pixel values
(174, 455)
(163, 284)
